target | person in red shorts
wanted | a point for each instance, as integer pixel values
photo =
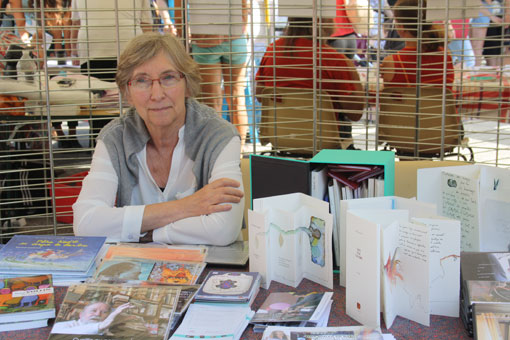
(400, 69)
(288, 62)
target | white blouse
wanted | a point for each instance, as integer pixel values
(95, 213)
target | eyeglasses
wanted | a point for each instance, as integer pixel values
(167, 80)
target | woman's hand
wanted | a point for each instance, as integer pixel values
(209, 199)
(496, 19)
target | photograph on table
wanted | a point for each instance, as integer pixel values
(121, 311)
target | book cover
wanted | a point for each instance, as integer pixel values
(157, 253)
(50, 254)
(480, 266)
(361, 176)
(485, 266)
(229, 286)
(488, 291)
(322, 333)
(124, 269)
(235, 254)
(289, 307)
(116, 311)
(26, 299)
(128, 269)
(491, 321)
(186, 295)
(180, 273)
(214, 321)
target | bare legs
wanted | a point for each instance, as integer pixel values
(477, 36)
(234, 83)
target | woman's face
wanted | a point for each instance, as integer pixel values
(158, 106)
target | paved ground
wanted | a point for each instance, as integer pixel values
(489, 139)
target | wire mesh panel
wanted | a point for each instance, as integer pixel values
(317, 73)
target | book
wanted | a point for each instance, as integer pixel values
(488, 292)
(416, 208)
(485, 266)
(401, 265)
(290, 239)
(349, 168)
(361, 176)
(42, 254)
(319, 182)
(182, 273)
(294, 308)
(343, 179)
(26, 299)
(323, 333)
(235, 254)
(476, 269)
(116, 311)
(157, 252)
(186, 295)
(214, 321)
(334, 206)
(224, 286)
(23, 325)
(128, 269)
(491, 321)
(477, 196)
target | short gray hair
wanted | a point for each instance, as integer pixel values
(146, 46)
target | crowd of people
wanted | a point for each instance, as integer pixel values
(90, 39)
(169, 169)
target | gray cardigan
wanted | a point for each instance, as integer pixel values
(205, 136)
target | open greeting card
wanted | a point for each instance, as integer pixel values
(401, 262)
(290, 239)
(415, 208)
(478, 196)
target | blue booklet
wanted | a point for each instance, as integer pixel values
(73, 255)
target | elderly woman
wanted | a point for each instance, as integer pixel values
(168, 170)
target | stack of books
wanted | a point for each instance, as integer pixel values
(152, 265)
(211, 321)
(491, 321)
(356, 181)
(69, 259)
(485, 282)
(26, 302)
(234, 287)
(222, 304)
(293, 309)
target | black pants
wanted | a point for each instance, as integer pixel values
(104, 69)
